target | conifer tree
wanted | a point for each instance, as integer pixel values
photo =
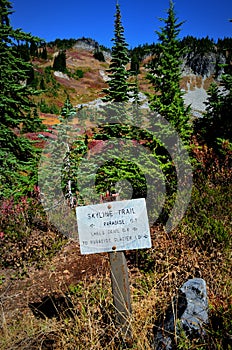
(68, 110)
(44, 53)
(60, 62)
(118, 86)
(34, 49)
(216, 123)
(134, 64)
(118, 92)
(165, 75)
(98, 54)
(16, 152)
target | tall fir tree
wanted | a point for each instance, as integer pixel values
(118, 86)
(16, 152)
(134, 64)
(67, 110)
(44, 53)
(216, 123)
(115, 112)
(165, 75)
(59, 63)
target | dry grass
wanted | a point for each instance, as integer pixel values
(191, 82)
(199, 247)
(49, 119)
(155, 276)
(207, 82)
(80, 90)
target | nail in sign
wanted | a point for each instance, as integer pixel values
(113, 226)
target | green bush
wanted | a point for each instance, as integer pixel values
(207, 219)
(79, 73)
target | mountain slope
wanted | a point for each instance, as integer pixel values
(86, 76)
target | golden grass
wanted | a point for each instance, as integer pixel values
(92, 325)
(207, 82)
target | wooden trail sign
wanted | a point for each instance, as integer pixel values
(113, 227)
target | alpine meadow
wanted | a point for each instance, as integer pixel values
(82, 124)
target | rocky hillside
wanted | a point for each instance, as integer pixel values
(86, 75)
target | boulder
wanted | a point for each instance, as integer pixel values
(188, 312)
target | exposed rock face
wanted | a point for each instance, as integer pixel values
(91, 45)
(188, 312)
(86, 44)
(204, 64)
(104, 76)
(98, 103)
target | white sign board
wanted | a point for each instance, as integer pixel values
(113, 226)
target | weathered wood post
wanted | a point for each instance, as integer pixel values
(121, 291)
(115, 226)
(120, 283)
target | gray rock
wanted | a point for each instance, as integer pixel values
(86, 44)
(206, 65)
(196, 312)
(91, 45)
(188, 313)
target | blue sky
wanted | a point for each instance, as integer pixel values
(50, 19)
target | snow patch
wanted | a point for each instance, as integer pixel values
(61, 75)
(92, 104)
(196, 98)
(104, 75)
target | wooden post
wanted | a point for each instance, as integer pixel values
(124, 222)
(121, 291)
(120, 284)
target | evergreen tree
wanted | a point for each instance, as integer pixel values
(134, 64)
(24, 52)
(31, 79)
(16, 153)
(165, 75)
(217, 123)
(42, 84)
(32, 122)
(60, 62)
(44, 53)
(68, 110)
(34, 49)
(98, 54)
(118, 86)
